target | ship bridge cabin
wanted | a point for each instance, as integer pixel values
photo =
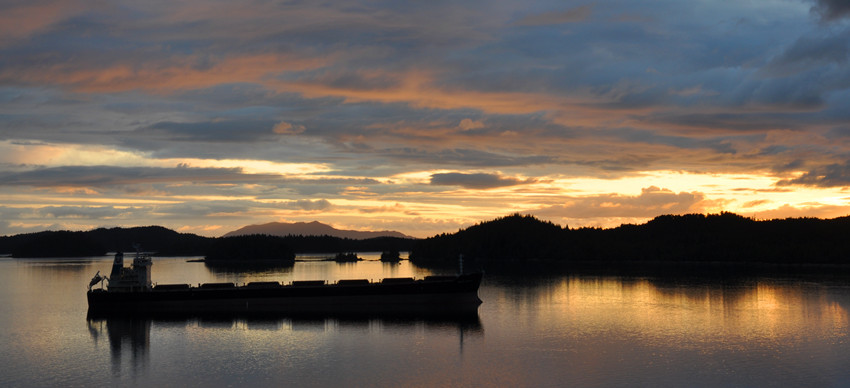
(136, 277)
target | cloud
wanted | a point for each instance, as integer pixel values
(573, 15)
(209, 209)
(284, 128)
(102, 176)
(589, 89)
(811, 52)
(651, 202)
(13, 228)
(421, 89)
(831, 10)
(89, 212)
(162, 74)
(475, 181)
(755, 203)
(832, 175)
(719, 144)
(394, 208)
(236, 209)
(466, 157)
(311, 205)
(21, 19)
(811, 210)
(469, 124)
(725, 122)
(212, 131)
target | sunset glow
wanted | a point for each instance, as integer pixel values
(422, 118)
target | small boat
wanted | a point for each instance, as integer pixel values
(129, 290)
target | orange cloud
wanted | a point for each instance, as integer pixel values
(284, 128)
(178, 74)
(419, 89)
(469, 124)
(804, 210)
(26, 18)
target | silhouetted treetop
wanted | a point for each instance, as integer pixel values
(166, 242)
(57, 244)
(514, 237)
(724, 237)
(248, 248)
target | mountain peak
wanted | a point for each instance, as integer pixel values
(313, 228)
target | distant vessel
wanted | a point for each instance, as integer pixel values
(129, 290)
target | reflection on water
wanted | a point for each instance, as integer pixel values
(693, 331)
(758, 310)
(531, 330)
(129, 338)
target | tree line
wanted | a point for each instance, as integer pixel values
(166, 242)
(724, 237)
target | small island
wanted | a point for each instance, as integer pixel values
(349, 257)
(250, 249)
(390, 257)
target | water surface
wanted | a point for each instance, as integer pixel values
(541, 330)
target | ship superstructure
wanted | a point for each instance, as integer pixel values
(136, 277)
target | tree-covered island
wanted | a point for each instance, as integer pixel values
(511, 241)
(725, 237)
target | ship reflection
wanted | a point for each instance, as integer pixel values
(125, 336)
(132, 333)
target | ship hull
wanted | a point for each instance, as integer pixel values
(452, 295)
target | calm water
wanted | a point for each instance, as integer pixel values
(535, 331)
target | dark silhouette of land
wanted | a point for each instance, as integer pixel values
(391, 256)
(348, 257)
(314, 228)
(98, 242)
(514, 241)
(692, 238)
(52, 244)
(250, 249)
(166, 242)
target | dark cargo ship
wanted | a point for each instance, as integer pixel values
(129, 290)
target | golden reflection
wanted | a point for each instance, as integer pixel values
(759, 311)
(839, 319)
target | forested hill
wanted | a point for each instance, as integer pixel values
(510, 238)
(166, 242)
(100, 241)
(725, 237)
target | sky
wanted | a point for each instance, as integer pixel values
(419, 117)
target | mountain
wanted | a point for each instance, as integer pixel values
(314, 228)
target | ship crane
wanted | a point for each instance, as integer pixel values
(97, 279)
